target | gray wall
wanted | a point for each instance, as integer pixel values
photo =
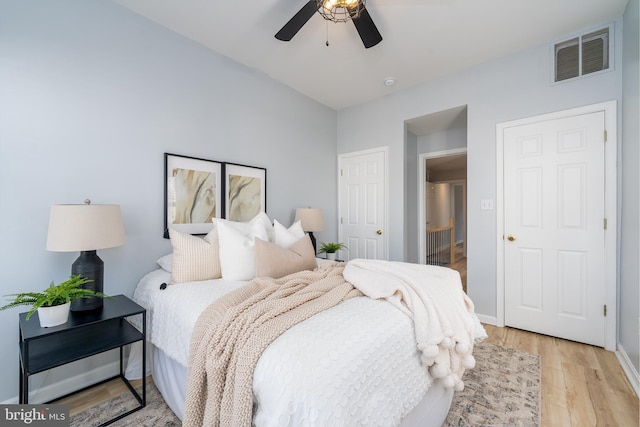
(445, 140)
(92, 95)
(506, 89)
(630, 212)
(411, 203)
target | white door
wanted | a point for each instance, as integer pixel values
(554, 231)
(362, 199)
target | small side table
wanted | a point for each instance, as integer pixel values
(87, 333)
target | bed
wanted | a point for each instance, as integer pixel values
(357, 363)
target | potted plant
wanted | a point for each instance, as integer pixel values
(330, 249)
(54, 302)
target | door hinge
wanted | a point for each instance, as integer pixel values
(340, 220)
(604, 223)
(340, 172)
(605, 310)
(605, 136)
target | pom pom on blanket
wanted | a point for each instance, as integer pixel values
(459, 384)
(463, 348)
(443, 315)
(430, 352)
(468, 362)
(449, 381)
(439, 370)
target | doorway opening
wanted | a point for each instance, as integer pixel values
(445, 206)
(435, 187)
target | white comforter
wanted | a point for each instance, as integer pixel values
(172, 312)
(327, 370)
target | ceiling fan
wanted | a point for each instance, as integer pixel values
(336, 11)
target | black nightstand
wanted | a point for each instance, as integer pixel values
(87, 333)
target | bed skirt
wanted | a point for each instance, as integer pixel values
(170, 377)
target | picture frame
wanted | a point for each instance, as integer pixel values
(193, 193)
(245, 191)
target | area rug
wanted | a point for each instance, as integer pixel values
(156, 413)
(502, 390)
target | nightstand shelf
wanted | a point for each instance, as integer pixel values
(85, 334)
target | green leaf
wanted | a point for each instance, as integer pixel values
(67, 291)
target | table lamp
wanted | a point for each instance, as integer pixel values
(86, 228)
(311, 220)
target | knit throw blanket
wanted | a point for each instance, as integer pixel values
(231, 334)
(433, 297)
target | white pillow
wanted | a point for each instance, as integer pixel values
(264, 219)
(237, 246)
(165, 262)
(285, 237)
(245, 227)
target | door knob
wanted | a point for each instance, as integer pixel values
(511, 238)
(379, 232)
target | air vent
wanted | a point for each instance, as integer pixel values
(567, 59)
(586, 54)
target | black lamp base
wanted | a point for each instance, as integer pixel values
(89, 265)
(313, 242)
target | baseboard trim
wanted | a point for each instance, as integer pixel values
(68, 385)
(489, 320)
(629, 369)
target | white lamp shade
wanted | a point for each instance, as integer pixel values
(74, 228)
(310, 219)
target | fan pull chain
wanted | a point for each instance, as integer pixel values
(327, 22)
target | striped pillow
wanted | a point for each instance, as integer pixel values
(194, 258)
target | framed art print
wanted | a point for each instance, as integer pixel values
(193, 194)
(246, 192)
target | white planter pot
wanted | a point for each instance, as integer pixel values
(331, 256)
(54, 316)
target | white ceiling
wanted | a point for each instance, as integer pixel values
(422, 39)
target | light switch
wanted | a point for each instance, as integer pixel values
(486, 204)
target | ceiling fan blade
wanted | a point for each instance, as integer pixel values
(299, 19)
(367, 29)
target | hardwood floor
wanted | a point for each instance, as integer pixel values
(581, 385)
(81, 401)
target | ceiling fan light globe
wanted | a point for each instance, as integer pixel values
(340, 10)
